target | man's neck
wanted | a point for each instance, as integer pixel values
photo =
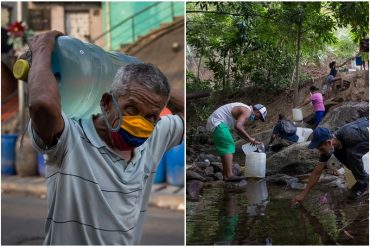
(104, 134)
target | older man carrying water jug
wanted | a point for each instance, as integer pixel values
(232, 116)
(99, 170)
(348, 144)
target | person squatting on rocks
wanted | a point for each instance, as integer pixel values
(331, 79)
(317, 101)
(348, 144)
(99, 170)
(284, 133)
(232, 116)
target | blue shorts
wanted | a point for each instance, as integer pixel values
(319, 115)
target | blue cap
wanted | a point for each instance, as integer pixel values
(319, 135)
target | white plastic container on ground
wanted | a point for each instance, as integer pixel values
(255, 163)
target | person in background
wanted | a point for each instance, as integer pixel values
(318, 104)
(364, 51)
(284, 133)
(348, 144)
(332, 79)
(227, 117)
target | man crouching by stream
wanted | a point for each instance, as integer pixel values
(99, 170)
(348, 144)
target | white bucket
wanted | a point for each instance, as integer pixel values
(297, 114)
(299, 131)
(255, 165)
(300, 139)
(365, 161)
(306, 133)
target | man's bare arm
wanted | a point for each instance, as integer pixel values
(44, 99)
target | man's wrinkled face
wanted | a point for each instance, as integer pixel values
(326, 147)
(135, 101)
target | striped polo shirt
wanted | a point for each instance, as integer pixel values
(94, 196)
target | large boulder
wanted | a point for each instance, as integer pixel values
(194, 189)
(293, 160)
(192, 175)
(345, 113)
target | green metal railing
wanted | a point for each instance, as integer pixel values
(128, 30)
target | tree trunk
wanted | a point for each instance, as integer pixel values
(200, 62)
(228, 70)
(297, 58)
(224, 74)
(197, 95)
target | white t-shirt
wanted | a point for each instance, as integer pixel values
(223, 115)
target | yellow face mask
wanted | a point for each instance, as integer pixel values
(137, 126)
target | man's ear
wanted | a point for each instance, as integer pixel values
(106, 101)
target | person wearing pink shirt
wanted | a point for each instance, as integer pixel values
(318, 104)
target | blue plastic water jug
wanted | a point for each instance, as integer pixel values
(175, 165)
(8, 142)
(84, 72)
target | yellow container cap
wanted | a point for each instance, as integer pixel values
(21, 69)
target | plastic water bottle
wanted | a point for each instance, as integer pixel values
(84, 72)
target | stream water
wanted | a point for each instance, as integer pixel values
(262, 215)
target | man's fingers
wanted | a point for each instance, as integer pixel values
(57, 33)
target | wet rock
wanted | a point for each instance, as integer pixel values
(237, 186)
(194, 189)
(295, 159)
(217, 166)
(209, 171)
(192, 175)
(345, 113)
(236, 169)
(297, 186)
(198, 170)
(215, 184)
(209, 178)
(202, 164)
(219, 176)
(210, 157)
(281, 179)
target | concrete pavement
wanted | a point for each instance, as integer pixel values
(23, 219)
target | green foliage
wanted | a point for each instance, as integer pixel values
(352, 14)
(193, 84)
(255, 43)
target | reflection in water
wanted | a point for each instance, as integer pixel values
(257, 196)
(263, 216)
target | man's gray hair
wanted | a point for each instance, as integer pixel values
(145, 74)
